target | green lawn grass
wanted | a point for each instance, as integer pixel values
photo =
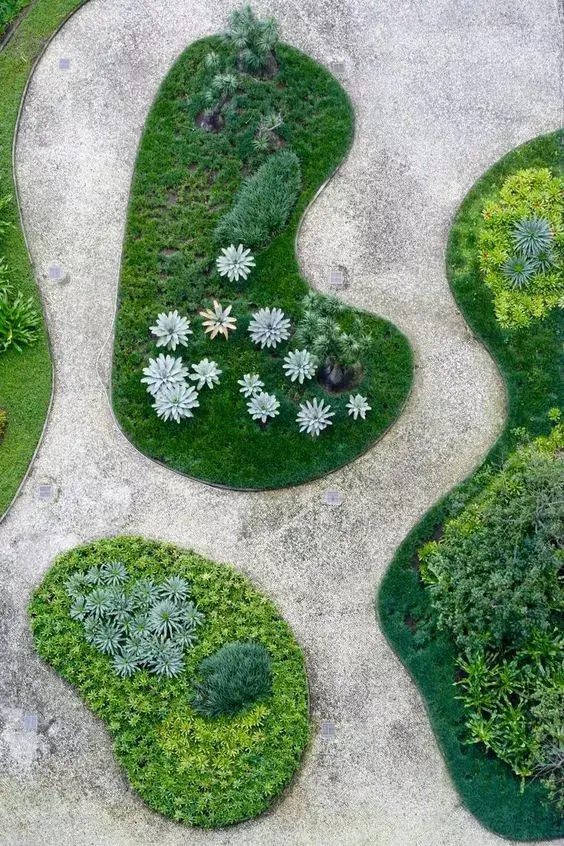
(185, 179)
(532, 363)
(208, 772)
(25, 379)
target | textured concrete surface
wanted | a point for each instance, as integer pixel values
(441, 88)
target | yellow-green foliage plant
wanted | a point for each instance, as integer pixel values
(529, 193)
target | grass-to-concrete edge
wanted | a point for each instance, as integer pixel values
(60, 18)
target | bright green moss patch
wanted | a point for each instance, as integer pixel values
(186, 179)
(201, 771)
(532, 363)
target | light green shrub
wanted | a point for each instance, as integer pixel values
(264, 202)
(531, 195)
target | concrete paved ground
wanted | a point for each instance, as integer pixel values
(442, 88)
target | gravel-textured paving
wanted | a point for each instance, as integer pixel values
(441, 88)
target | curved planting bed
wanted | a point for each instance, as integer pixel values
(25, 373)
(130, 623)
(472, 602)
(230, 158)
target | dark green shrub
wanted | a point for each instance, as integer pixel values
(264, 202)
(494, 576)
(9, 10)
(237, 675)
(19, 319)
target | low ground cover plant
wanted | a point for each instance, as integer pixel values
(472, 602)
(522, 246)
(215, 737)
(210, 279)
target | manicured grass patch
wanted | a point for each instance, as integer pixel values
(25, 379)
(201, 771)
(532, 363)
(185, 180)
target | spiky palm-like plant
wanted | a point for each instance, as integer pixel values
(269, 327)
(357, 406)
(76, 584)
(314, 416)
(218, 320)
(518, 270)
(185, 637)
(255, 41)
(113, 573)
(144, 593)
(162, 372)
(340, 352)
(299, 365)
(190, 615)
(92, 576)
(125, 664)
(263, 406)
(166, 660)
(206, 373)
(235, 262)
(107, 638)
(98, 602)
(175, 402)
(251, 384)
(164, 618)
(174, 588)
(543, 261)
(531, 235)
(171, 330)
(78, 608)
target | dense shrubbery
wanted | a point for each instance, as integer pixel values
(197, 770)
(496, 585)
(236, 676)
(522, 247)
(264, 202)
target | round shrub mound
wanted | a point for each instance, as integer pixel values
(237, 675)
(195, 193)
(200, 771)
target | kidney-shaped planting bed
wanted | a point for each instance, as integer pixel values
(198, 679)
(250, 379)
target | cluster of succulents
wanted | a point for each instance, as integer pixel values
(139, 623)
(532, 239)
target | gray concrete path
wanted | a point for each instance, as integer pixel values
(442, 88)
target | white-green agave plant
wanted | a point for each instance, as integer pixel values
(314, 416)
(205, 373)
(235, 262)
(251, 384)
(269, 327)
(171, 330)
(357, 406)
(299, 365)
(163, 372)
(175, 402)
(262, 406)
